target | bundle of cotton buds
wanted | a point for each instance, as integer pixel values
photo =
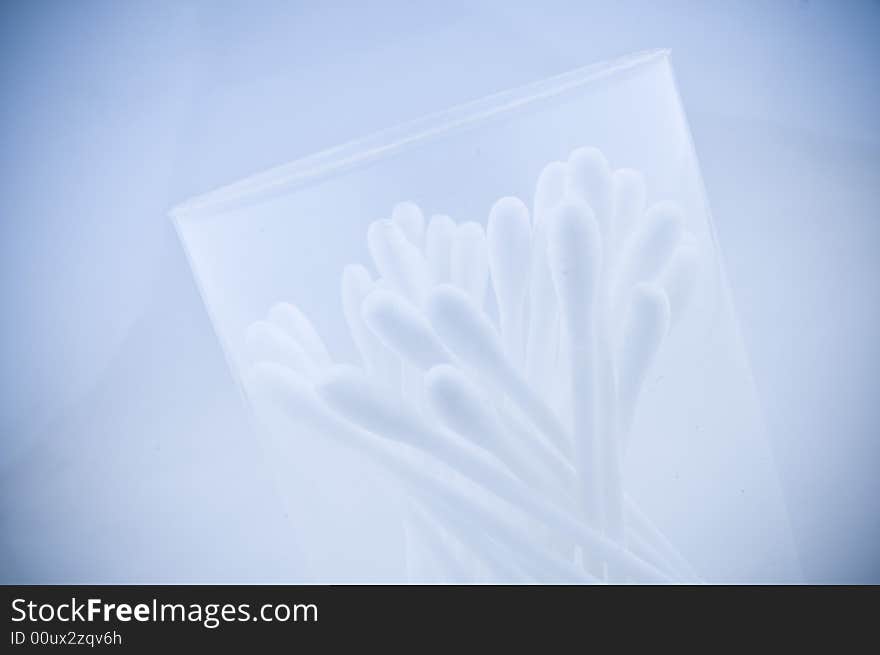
(506, 421)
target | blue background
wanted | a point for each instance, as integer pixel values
(124, 454)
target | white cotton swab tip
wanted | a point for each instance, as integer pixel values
(654, 244)
(466, 330)
(469, 334)
(290, 319)
(462, 406)
(589, 179)
(266, 341)
(410, 219)
(459, 402)
(549, 190)
(349, 392)
(398, 260)
(648, 251)
(378, 360)
(269, 384)
(400, 326)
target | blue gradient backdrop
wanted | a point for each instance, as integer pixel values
(123, 455)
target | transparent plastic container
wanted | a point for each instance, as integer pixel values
(677, 482)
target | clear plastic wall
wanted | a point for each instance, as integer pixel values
(497, 344)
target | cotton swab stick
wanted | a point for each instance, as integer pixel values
(609, 440)
(462, 407)
(482, 525)
(293, 394)
(289, 393)
(644, 330)
(509, 239)
(469, 263)
(421, 563)
(640, 546)
(458, 403)
(467, 332)
(649, 531)
(496, 562)
(438, 247)
(589, 179)
(290, 319)
(409, 218)
(425, 533)
(378, 360)
(401, 328)
(542, 339)
(575, 256)
(516, 564)
(351, 395)
(272, 385)
(410, 378)
(549, 464)
(465, 544)
(267, 342)
(398, 260)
